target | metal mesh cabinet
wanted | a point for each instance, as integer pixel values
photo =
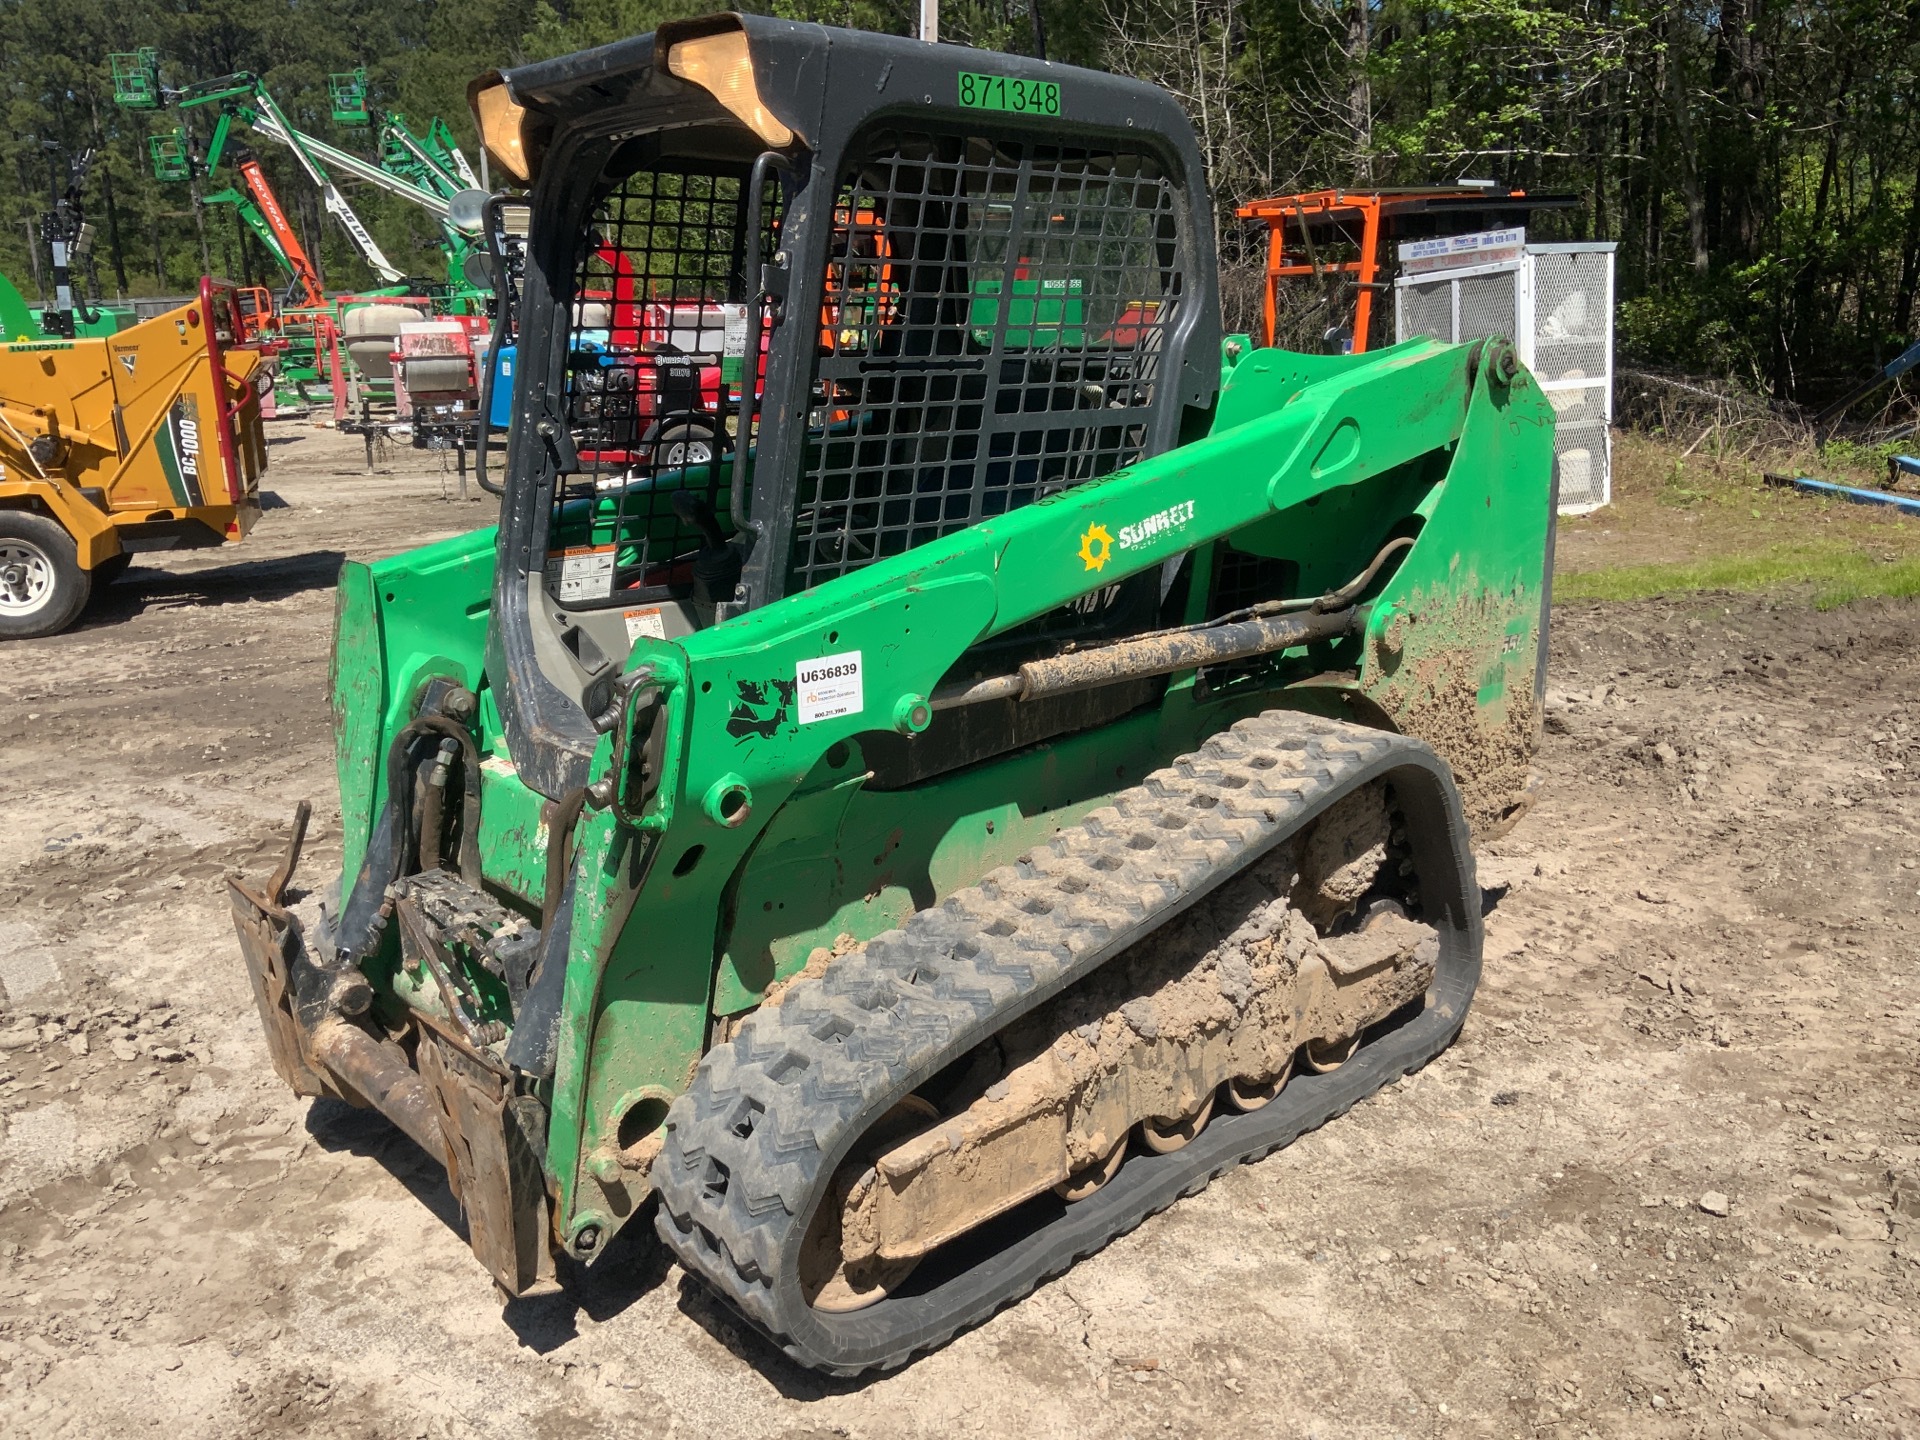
(1556, 302)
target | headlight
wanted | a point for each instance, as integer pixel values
(503, 126)
(720, 65)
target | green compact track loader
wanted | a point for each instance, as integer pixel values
(1026, 764)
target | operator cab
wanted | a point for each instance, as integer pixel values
(800, 300)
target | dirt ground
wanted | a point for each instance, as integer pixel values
(1667, 1183)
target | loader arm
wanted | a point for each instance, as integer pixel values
(634, 1013)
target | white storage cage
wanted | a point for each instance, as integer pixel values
(1556, 302)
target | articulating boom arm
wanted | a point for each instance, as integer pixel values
(244, 96)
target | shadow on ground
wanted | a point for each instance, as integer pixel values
(634, 1264)
(791, 1379)
(141, 590)
(338, 1127)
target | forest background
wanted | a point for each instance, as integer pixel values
(1758, 161)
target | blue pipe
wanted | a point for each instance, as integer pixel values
(1908, 503)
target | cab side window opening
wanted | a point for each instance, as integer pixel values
(657, 354)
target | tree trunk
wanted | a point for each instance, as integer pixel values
(33, 255)
(200, 227)
(1360, 91)
(1690, 190)
(1806, 281)
(1909, 264)
(113, 210)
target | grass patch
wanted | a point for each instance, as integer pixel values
(1836, 575)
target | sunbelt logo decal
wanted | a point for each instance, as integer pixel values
(1096, 546)
(1098, 543)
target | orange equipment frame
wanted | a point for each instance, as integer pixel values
(304, 273)
(1379, 214)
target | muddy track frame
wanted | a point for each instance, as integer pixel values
(752, 1146)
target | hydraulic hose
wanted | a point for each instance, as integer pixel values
(1149, 656)
(391, 844)
(1257, 630)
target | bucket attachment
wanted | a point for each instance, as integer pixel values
(325, 1039)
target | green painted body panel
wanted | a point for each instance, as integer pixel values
(1040, 313)
(513, 834)
(107, 320)
(244, 206)
(602, 520)
(681, 918)
(845, 860)
(17, 322)
(398, 623)
(357, 690)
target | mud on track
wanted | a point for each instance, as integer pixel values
(1701, 985)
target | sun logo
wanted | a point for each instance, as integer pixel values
(1096, 546)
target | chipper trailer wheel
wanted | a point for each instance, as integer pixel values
(941, 1120)
(42, 587)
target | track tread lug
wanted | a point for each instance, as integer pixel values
(841, 1048)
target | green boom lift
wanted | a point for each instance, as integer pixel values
(256, 222)
(427, 171)
(242, 97)
(1031, 768)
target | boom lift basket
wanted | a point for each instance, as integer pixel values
(347, 92)
(172, 160)
(136, 79)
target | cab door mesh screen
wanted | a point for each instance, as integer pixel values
(991, 331)
(657, 354)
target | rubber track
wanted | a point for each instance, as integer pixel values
(753, 1143)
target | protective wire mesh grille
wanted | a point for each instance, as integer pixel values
(1571, 302)
(1570, 295)
(1580, 462)
(1570, 309)
(655, 363)
(1581, 451)
(1570, 317)
(1569, 359)
(1573, 407)
(1487, 305)
(1427, 310)
(991, 332)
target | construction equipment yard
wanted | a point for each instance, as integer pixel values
(1665, 1183)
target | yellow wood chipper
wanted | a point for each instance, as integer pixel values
(149, 439)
